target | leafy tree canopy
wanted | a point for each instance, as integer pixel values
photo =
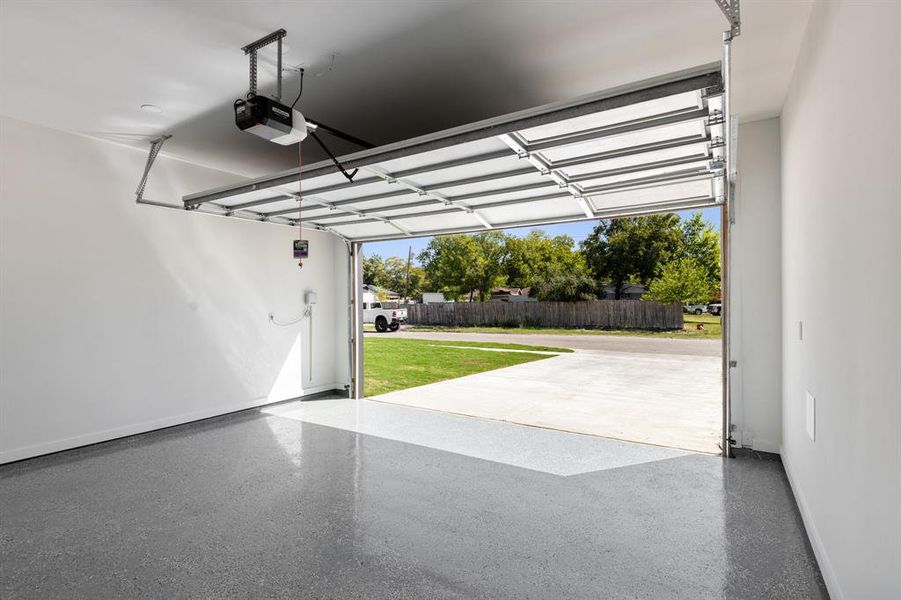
(394, 274)
(683, 280)
(374, 270)
(632, 249)
(461, 265)
(565, 286)
(702, 244)
(617, 252)
(637, 249)
(531, 259)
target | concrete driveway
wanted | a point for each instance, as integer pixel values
(652, 390)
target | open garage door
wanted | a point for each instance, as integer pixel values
(656, 146)
(660, 145)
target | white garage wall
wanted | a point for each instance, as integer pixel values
(841, 197)
(756, 284)
(117, 318)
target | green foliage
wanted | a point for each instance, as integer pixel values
(632, 249)
(406, 280)
(637, 250)
(530, 259)
(461, 265)
(683, 280)
(565, 286)
(394, 274)
(702, 244)
(374, 270)
(617, 252)
(488, 268)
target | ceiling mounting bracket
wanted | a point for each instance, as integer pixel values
(251, 50)
(732, 11)
(155, 146)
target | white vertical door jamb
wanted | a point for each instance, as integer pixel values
(356, 320)
(725, 221)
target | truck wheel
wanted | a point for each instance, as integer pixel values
(394, 326)
(381, 324)
(698, 311)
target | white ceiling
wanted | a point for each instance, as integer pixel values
(401, 68)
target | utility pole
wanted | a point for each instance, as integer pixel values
(409, 262)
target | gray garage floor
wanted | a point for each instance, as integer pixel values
(666, 392)
(276, 505)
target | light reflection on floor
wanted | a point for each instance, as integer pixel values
(534, 448)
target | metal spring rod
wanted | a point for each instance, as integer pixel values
(252, 89)
(278, 93)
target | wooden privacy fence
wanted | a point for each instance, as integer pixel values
(596, 314)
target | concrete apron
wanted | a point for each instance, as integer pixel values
(666, 400)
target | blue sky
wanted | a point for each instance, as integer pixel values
(577, 231)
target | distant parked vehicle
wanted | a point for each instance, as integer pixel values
(385, 319)
(715, 308)
(695, 309)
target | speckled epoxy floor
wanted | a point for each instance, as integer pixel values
(263, 506)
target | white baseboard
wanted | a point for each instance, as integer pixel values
(32, 451)
(816, 542)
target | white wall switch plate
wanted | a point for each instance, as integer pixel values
(811, 416)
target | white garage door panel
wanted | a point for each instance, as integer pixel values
(552, 209)
(651, 147)
(643, 110)
(457, 152)
(693, 190)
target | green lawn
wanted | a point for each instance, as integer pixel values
(394, 364)
(712, 329)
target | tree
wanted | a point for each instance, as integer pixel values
(632, 249)
(532, 258)
(683, 280)
(374, 271)
(447, 263)
(702, 244)
(396, 277)
(460, 265)
(565, 286)
(489, 271)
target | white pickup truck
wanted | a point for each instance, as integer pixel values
(385, 319)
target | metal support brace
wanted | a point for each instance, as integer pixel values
(331, 206)
(155, 146)
(210, 208)
(388, 177)
(251, 50)
(536, 161)
(732, 11)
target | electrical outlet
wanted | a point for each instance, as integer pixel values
(811, 416)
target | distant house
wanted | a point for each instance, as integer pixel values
(508, 294)
(374, 293)
(630, 292)
(434, 298)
